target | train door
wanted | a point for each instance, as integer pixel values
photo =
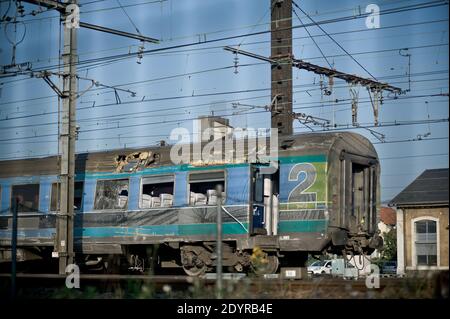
(360, 186)
(264, 202)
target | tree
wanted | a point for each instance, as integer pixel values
(390, 245)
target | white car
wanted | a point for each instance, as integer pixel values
(320, 267)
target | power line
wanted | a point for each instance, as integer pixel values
(412, 140)
(426, 5)
(100, 64)
(413, 156)
(140, 114)
(392, 11)
(336, 128)
(218, 69)
(257, 42)
(307, 31)
(129, 18)
(204, 104)
(33, 13)
(337, 43)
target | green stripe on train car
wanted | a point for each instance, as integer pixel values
(303, 226)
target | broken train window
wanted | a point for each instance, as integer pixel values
(111, 194)
(28, 197)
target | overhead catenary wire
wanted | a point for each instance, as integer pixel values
(129, 18)
(212, 94)
(426, 5)
(412, 140)
(336, 127)
(312, 38)
(140, 115)
(213, 70)
(100, 64)
(332, 39)
(250, 43)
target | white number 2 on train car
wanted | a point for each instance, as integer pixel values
(298, 193)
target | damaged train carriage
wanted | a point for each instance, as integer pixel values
(323, 197)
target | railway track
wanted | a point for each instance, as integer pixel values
(209, 278)
(163, 286)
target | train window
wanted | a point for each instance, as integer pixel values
(111, 194)
(358, 191)
(157, 191)
(258, 188)
(77, 200)
(28, 197)
(202, 188)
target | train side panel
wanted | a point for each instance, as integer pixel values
(303, 216)
(134, 225)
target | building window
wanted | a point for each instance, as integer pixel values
(157, 191)
(28, 197)
(202, 188)
(111, 194)
(77, 200)
(426, 242)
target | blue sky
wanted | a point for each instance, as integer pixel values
(28, 107)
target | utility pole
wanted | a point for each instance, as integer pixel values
(65, 216)
(15, 210)
(281, 53)
(219, 281)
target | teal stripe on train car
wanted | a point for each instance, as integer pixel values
(160, 230)
(305, 158)
(150, 230)
(303, 226)
(161, 170)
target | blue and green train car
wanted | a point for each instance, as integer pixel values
(143, 210)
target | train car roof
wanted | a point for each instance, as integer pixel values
(105, 161)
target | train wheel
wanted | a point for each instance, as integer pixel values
(112, 265)
(196, 270)
(268, 265)
(194, 260)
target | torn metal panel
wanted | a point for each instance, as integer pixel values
(134, 161)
